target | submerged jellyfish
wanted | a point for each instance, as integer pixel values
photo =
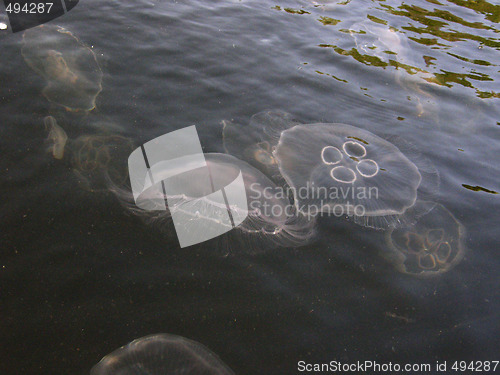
(161, 354)
(57, 137)
(339, 169)
(391, 47)
(97, 159)
(70, 68)
(434, 245)
(268, 219)
(255, 142)
(380, 41)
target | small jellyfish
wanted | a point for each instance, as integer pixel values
(161, 354)
(57, 137)
(343, 170)
(97, 159)
(73, 75)
(255, 142)
(431, 246)
(380, 41)
(268, 220)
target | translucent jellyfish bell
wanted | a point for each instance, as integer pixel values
(161, 354)
(381, 41)
(338, 169)
(97, 159)
(255, 142)
(270, 218)
(70, 68)
(382, 45)
(432, 246)
(57, 137)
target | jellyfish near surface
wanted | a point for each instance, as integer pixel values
(255, 142)
(390, 47)
(432, 246)
(57, 137)
(338, 169)
(161, 354)
(96, 159)
(269, 220)
(73, 75)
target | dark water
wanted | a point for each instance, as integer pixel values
(81, 277)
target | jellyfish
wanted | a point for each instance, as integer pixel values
(381, 41)
(391, 47)
(161, 354)
(71, 69)
(431, 246)
(255, 142)
(267, 220)
(57, 137)
(97, 160)
(341, 170)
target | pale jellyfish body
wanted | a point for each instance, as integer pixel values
(56, 68)
(57, 137)
(255, 142)
(97, 159)
(269, 218)
(338, 169)
(381, 41)
(74, 78)
(391, 47)
(162, 354)
(431, 246)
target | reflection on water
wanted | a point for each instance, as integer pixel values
(80, 275)
(397, 37)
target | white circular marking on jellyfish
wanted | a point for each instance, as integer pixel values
(343, 174)
(331, 155)
(385, 196)
(367, 168)
(354, 149)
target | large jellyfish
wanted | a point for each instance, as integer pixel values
(161, 354)
(270, 219)
(73, 75)
(97, 160)
(255, 142)
(431, 246)
(339, 169)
